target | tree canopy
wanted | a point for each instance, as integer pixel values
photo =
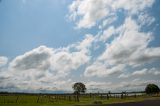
(79, 87)
(151, 89)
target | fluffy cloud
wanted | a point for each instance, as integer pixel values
(72, 56)
(145, 19)
(108, 21)
(148, 55)
(108, 33)
(86, 43)
(154, 71)
(137, 84)
(130, 47)
(142, 72)
(45, 68)
(123, 75)
(36, 59)
(61, 59)
(94, 86)
(3, 60)
(133, 85)
(64, 61)
(132, 6)
(101, 86)
(88, 12)
(101, 70)
(126, 46)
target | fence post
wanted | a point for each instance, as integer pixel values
(17, 99)
(122, 95)
(101, 96)
(38, 99)
(135, 95)
(77, 97)
(107, 96)
(90, 95)
(4, 99)
(69, 98)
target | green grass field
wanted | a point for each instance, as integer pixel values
(28, 100)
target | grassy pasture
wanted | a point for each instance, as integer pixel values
(42, 100)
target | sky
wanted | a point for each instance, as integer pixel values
(109, 45)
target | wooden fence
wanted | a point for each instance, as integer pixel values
(72, 97)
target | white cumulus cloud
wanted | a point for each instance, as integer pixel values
(131, 46)
(86, 13)
(3, 60)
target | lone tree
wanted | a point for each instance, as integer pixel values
(151, 89)
(79, 88)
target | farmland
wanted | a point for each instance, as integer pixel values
(68, 99)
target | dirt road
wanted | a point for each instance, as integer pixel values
(143, 103)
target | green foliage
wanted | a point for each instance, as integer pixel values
(79, 88)
(151, 89)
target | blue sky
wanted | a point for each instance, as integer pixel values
(48, 44)
(33, 23)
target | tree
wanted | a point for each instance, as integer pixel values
(151, 89)
(79, 87)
